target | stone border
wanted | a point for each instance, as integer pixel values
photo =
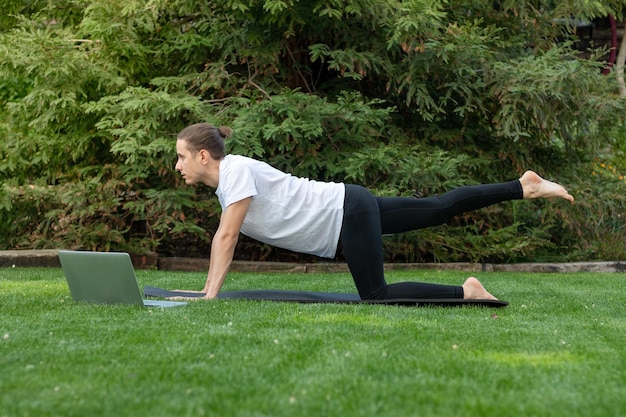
(35, 258)
(49, 258)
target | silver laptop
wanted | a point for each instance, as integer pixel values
(105, 278)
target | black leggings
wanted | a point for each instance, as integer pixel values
(367, 218)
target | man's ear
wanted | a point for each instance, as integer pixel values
(205, 156)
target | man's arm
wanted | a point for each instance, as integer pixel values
(223, 245)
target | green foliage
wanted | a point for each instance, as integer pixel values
(597, 221)
(405, 97)
(614, 154)
(534, 92)
(305, 134)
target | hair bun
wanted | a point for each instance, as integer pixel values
(225, 131)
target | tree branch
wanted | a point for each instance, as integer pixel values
(619, 64)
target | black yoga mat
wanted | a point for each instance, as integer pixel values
(321, 297)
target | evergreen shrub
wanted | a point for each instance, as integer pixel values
(404, 97)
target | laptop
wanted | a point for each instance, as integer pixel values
(105, 278)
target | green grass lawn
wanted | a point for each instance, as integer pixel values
(557, 350)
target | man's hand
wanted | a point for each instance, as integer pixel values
(183, 298)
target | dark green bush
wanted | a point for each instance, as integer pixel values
(408, 97)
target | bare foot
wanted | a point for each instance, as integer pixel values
(536, 187)
(474, 290)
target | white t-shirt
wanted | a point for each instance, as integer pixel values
(288, 212)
